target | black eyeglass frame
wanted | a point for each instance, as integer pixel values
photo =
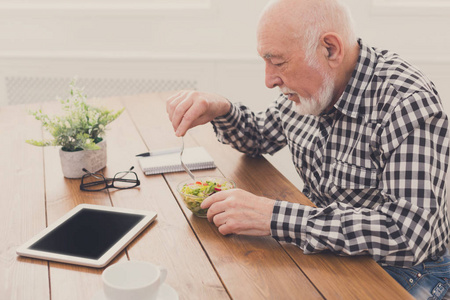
(102, 180)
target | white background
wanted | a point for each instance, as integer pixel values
(209, 41)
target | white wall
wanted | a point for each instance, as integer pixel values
(210, 43)
(416, 29)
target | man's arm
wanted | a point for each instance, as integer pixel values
(410, 221)
(252, 133)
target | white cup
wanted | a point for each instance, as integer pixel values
(137, 280)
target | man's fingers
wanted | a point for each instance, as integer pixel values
(219, 219)
(172, 102)
(187, 109)
(228, 225)
(219, 196)
(176, 106)
(183, 108)
(239, 212)
(219, 203)
(193, 115)
(216, 208)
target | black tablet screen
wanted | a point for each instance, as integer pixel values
(89, 233)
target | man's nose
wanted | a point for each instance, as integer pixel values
(272, 79)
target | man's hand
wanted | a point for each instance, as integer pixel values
(187, 109)
(239, 212)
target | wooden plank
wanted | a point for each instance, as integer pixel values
(357, 277)
(250, 267)
(62, 195)
(247, 265)
(22, 205)
(169, 241)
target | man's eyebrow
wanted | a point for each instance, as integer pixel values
(270, 55)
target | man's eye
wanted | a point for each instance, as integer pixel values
(279, 64)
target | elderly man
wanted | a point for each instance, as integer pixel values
(367, 134)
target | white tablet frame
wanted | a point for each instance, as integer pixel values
(149, 217)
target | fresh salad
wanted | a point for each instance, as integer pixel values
(195, 192)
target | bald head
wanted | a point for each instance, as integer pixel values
(304, 21)
(310, 51)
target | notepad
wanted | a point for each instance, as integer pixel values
(195, 158)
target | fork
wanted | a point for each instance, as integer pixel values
(182, 163)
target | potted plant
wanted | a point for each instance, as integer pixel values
(79, 132)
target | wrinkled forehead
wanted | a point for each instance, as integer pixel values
(279, 24)
(275, 36)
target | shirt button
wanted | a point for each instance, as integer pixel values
(411, 280)
(419, 275)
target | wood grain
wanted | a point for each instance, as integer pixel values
(249, 267)
(329, 272)
(62, 195)
(170, 241)
(22, 205)
(202, 263)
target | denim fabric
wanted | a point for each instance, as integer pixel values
(429, 280)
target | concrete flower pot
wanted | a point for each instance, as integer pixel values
(72, 163)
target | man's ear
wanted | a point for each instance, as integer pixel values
(333, 49)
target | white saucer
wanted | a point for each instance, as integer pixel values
(166, 292)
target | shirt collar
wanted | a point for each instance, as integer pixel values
(350, 103)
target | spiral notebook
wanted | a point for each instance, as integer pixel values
(194, 158)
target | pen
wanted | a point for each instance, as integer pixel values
(160, 152)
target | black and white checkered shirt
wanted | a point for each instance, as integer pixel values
(375, 165)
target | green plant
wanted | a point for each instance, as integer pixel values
(80, 128)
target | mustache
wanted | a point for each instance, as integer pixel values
(286, 90)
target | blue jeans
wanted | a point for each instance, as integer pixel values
(428, 280)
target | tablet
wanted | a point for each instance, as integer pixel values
(88, 235)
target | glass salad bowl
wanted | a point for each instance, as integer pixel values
(195, 191)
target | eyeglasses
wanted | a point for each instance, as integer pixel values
(94, 182)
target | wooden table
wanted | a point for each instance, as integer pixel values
(201, 263)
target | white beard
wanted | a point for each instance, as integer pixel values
(317, 104)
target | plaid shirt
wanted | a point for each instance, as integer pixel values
(375, 165)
